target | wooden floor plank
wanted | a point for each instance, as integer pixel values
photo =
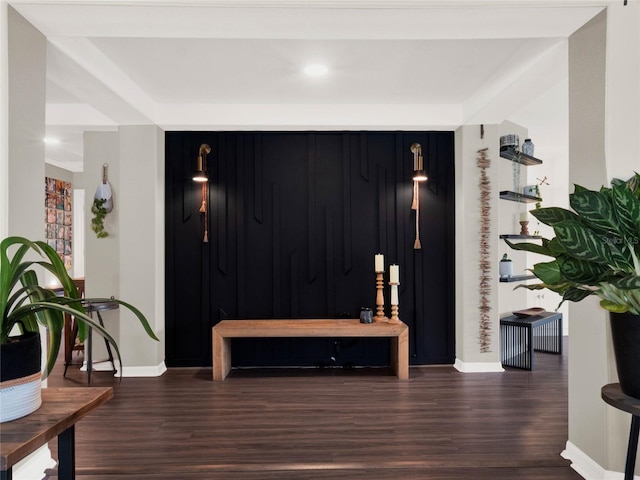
(331, 423)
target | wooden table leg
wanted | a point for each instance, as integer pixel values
(630, 465)
(66, 454)
(400, 355)
(221, 356)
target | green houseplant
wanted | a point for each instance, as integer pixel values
(25, 304)
(596, 251)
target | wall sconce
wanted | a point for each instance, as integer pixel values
(201, 177)
(201, 167)
(419, 175)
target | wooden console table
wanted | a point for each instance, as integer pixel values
(613, 395)
(224, 331)
(61, 409)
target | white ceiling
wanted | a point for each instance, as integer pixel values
(213, 65)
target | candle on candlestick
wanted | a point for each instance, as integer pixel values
(379, 263)
(394, 295)
(394, 274)
(523, 217)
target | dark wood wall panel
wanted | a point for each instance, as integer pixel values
(295, 219)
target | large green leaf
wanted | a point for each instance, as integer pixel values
(554, 246)
(574, 294)
(530, 247)
(627, 210)
(595, 209)
(583, 243)
(548, 272)
(613, 307)
(627, 283)
(553, 215)
(579, 271)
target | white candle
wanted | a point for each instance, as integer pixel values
(394, 274)
(394, 295)
(523, 217)
(379, 263)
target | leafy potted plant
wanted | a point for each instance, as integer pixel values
(24, 305)
(596, 251)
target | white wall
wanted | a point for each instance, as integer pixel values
(102, 255)
(4, 119)
(27, 57)
(141, 236)
(129, 262)
(467, 215)
(603, 143)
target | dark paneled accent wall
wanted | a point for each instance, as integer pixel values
(295, 220)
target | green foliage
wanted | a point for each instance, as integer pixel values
(596, 247)
(99, 214)
(26, 304)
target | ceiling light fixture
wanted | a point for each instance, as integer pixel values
(316, 70)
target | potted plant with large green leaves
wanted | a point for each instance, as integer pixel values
(596, 251)
(24, 305)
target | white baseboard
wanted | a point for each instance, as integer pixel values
(153, 371)
(588, 468)
(477, 367)
(105, 366)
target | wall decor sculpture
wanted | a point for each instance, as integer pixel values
(483, 163)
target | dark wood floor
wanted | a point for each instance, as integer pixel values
(327, 424)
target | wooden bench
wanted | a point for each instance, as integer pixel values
(224, 331)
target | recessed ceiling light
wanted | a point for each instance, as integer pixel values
(51, 141)
(316, 70)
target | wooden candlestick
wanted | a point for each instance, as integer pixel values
(379, 298)
(524, 230)
(394, 304)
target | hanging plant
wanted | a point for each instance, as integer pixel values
(97, 222)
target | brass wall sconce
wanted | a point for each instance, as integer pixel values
(419, 175)
(201, 167)
(200, 176)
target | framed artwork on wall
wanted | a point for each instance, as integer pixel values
(58, 215)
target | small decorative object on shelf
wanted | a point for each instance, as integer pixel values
(524, 230)
(518, 197)
(528, 147)
(366, 315)
(506, 267)
(509, 141)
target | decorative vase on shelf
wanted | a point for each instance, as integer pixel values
(528, 147)
(506, 267)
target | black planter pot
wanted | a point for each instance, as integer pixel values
(20, 357)
(625, 332)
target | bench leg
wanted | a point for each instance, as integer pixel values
(400, 355)
(221, 356)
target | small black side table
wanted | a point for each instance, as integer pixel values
(612, 394)
(97, 307)
(521, 337)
